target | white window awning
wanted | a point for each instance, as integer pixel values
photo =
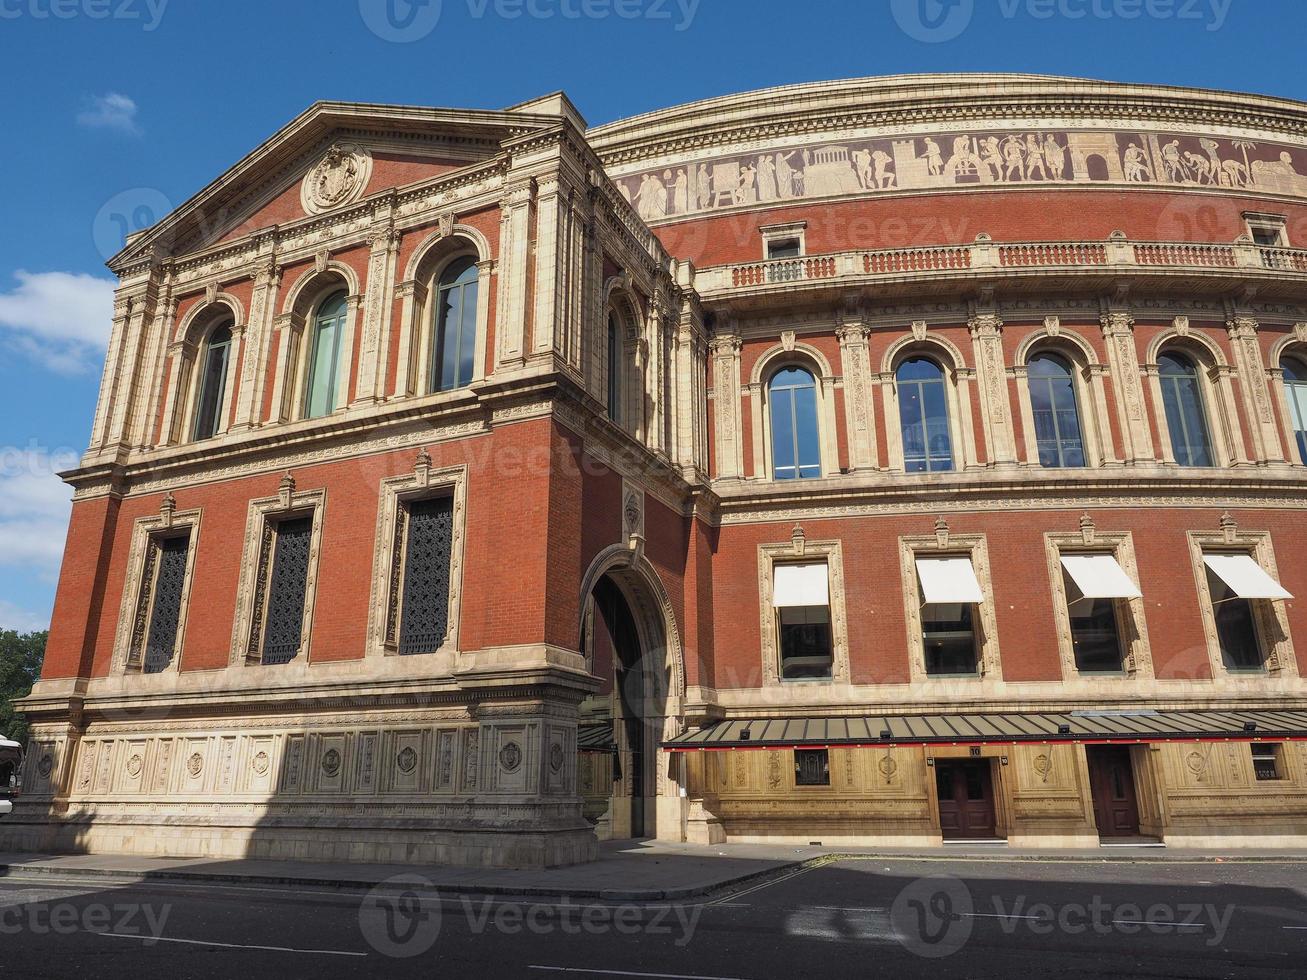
(800, 585)
(948, 580)
(1246, 578)
(1100, 577)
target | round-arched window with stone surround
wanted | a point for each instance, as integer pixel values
(211, 389)
(1186, 414)
(923, 416)
(323, 381)
(1295, 390)
(795, 431)
(453, 354)
(1059, 437)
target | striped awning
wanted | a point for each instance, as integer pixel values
(595, 738)
(1006, 728)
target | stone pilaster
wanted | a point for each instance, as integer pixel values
(725, 352)
(991, 371)
(1251, 368)
(855, 363)
(378, 305)
(254, 364)
(515, 247)
(1123, 364)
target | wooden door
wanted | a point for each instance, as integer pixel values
(966, 799)
(1112, 783)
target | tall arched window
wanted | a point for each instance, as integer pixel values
(212, 391)
(1057, 419)
(324, 356)
(923, 416)
(454, 352)
(1295, 387)
(614, 368)
(795, 438)
(1182, 398)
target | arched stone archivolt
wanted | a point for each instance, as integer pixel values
(416, 292)
(1091, 395)
(777, 358)
(188, 341)
(292, 336)
(663, 672)
(957, 376)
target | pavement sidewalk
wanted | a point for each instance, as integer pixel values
(641, 871)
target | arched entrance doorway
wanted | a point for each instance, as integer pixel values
(631, 787)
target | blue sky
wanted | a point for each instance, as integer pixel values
(114, 110)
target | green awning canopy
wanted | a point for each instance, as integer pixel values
(1008, 727)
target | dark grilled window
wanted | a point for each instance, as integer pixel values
(165, 610)
(285, 589)
(1266, 762)
(811, 767)
(425, 610)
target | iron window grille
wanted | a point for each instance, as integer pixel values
(277, 631)
(1266, 762)
(811, 767)
(420, 583)
(158, 609)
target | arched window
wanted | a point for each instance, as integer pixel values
(923, 416)
(1295, 388)
(614, 368)
(454, 352)
(1057, 419)
(1182, 398)
(212, 393)
(795, 439)
(324, 356)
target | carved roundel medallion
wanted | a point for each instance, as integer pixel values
(134, 766)
(338, 179)
(260, 763)
(556, 757)
(331, 762)
(888, 767)
(510, 756)
(195, 764)
(45, 766)
(407, 759)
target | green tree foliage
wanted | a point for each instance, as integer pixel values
(20, 665)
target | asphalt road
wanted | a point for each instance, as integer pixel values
(908, 918)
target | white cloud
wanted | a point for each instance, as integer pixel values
(60, 319)
(110, 111)
(21, 620)
(34, 509)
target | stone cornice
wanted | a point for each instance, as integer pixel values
(830, 106)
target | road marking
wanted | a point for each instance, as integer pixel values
(1293, 927)
(843, 908)
(628, 973)
(203, 942)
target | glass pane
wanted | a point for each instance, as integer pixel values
(975, 782)
(805, 431)
(805, 641)
(454, 349)
(1183, 402)
(213, 384)
(948, 638)
(614, 369)
(1236, 627)
(785, 465)
(911, 413)
(1094, 635)
(939, 448)
(321, 398)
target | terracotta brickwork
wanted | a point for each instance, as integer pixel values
(604, 435)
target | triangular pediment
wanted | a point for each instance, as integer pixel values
(333, 155)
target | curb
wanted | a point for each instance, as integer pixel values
(363, 884)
